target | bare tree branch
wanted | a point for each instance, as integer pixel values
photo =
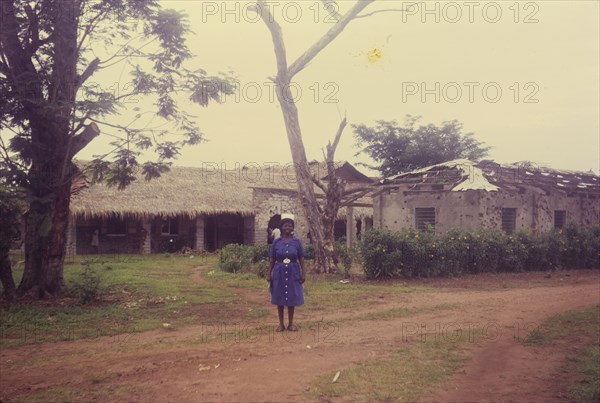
(87, 73)
(351, 199)
(115, 126)
(333, 33)
(80, 123)
(80, 141)
(399, 10)
(349, 192)
(332, 7)
(332, 147)
(90, 27)
(277, 37)
(123, 56)
(318, 183)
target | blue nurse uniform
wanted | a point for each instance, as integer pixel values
(286, 285)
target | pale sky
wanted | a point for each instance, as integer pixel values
(523, 76)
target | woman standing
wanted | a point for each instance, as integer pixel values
(286, 273)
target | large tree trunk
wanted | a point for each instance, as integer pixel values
(323, 248)
(45, 236)
(50, 175)
(6, 277)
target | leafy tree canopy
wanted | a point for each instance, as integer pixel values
(50, 109)
(397, 149)
(50, 51)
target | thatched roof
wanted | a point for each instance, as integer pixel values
(460, 175)
(190, 191)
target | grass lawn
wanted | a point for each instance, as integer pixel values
(144, 292)
(405, 375)
(583, 367)
(136, 293)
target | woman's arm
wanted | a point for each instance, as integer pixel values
(301, 261)
(303, 278)
(271, 265)
(272, 255)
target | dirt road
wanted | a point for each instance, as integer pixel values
(249, 362)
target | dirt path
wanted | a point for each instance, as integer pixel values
(250, 362)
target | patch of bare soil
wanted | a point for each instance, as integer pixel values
(233, 360)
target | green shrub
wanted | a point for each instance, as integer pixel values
(490, 252)
(468, 252)
(260, 259)
(411, 253)
(261, 268)
(581, 247)
(375, 247)
(345, 255)
(260, 252)
(235, 257)
(536, 248)
(87, 286)
(590, 255)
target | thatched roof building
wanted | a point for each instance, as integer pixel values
(241, 198)
(181, 191)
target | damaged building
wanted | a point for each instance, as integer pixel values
(469, 195)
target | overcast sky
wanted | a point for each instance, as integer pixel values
(523, 76)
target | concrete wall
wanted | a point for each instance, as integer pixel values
(395, 208)
(269, 202)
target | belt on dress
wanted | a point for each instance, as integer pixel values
(286, 260)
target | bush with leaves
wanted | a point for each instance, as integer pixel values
(260, 252)
(260, 259)
(235, 257)
(460, 252)
(411, 253)
(591, 248)
(261, 268)
(582, 247)
(375, 249)
(87, 286)
(345, 255)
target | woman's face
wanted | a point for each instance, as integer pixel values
(287, 228)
